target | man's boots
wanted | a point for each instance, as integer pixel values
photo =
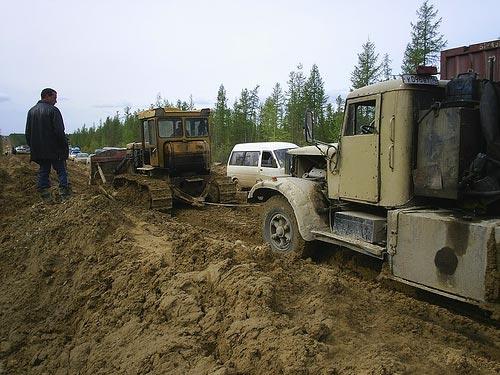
(65, 193)
(46, 195)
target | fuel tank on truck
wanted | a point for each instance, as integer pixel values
(445, 252)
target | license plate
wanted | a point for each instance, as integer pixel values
(413, 79)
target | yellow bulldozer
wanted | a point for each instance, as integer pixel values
(172, 161)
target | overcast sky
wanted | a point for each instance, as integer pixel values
(102, 55)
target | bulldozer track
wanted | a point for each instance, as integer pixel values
(227, 190)
(160, 193)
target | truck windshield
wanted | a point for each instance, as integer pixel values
(196, 127)
(281, 155)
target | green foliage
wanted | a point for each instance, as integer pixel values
(119, 130)
(426, 41)
(17, 139)
(220, 127)
(279, 117)
(316, 99)
(113, 132)
(296, 105)
(386, 67)
(271, 116)
(333, 120)
(368, 69)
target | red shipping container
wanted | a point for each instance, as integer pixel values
(482, 58)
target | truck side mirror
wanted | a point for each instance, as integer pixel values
(309, 126)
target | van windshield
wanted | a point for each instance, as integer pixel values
(281, 155)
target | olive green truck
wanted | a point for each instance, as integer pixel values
(414, 180)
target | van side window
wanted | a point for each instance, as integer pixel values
(251, 158)
(246, 158)
(361, 118)
(268, 160)
(237, 158)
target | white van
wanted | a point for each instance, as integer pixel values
(250, 163)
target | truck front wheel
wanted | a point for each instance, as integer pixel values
(280, 227)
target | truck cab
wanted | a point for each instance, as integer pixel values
(374, 161)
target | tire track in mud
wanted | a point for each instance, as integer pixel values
(234, 224)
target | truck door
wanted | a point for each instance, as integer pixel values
(150, 143)
(359, 150)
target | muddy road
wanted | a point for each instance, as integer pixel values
(100, 286)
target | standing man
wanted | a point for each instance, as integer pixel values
(48, 143)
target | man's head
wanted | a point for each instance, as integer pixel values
(49, 96)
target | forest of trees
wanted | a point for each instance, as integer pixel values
(280, 116)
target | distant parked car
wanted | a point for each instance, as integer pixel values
(24, 149)
(72, 154)
(81, 157)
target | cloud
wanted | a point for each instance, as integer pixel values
(110, 105)
(203, 103)
(4, 97)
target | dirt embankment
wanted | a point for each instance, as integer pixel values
(95, 286)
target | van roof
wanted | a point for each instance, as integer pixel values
(260, 146)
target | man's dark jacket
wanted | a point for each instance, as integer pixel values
(45, 133)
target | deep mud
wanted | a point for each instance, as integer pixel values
(97, 286)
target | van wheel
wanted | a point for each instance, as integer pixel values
(280, 228)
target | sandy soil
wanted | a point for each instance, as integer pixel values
(96, 286)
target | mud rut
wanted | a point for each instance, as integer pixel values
(101, 286)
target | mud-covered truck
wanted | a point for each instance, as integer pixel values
(414, 180)
(172, 161)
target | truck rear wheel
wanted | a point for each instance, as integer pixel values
(280, 228)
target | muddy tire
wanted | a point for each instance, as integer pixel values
(280, 228)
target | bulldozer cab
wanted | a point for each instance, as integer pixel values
(176, 141)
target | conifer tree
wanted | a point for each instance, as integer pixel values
(279, 102)
(339, 102)
(131, 127)
(241, 128)
(295, 106)
(253, 113)
(268, 120)
(426, 41)
(220, 131)
(330, 121)
(368, 69)
(315, 100)
(386, 67)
